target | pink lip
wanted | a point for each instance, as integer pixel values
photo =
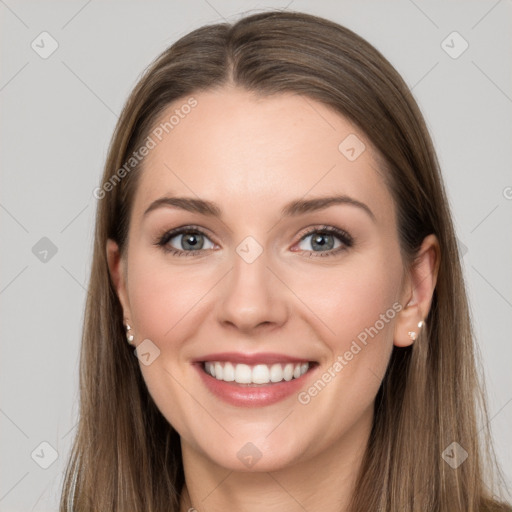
(251, 359)
(252, 395)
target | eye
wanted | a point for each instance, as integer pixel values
(325, 241)
(185, 241)
(192, 241)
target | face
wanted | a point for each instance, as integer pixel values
(270, 283)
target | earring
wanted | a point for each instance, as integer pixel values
(129, 335)
(413, 334)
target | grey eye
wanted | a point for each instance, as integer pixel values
(320, 241)
(191, 241)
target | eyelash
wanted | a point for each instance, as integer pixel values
(343, 236)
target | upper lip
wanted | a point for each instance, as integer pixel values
(251, 359)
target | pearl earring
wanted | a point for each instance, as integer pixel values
(129, 335)
(413, 334)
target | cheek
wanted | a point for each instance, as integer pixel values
(352, 299)
(163, 298)
(356, 308)
(165, 301)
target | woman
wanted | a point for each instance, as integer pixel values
(274, 239)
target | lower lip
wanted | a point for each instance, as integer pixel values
(260, 395)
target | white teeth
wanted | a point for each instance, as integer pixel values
(243, 373)
(276, 373)
(218, 371)
(257, 374)
(229, 372)
(209, 368)
(288, 372)
(261, 374)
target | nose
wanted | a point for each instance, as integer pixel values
(251, 297)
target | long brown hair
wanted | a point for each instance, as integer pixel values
(126, 457)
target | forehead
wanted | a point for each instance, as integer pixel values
(249, 152)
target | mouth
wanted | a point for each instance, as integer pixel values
(254, 380)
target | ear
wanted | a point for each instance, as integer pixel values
(117, 269)
(418, 292)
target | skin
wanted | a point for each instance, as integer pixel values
(252, 155)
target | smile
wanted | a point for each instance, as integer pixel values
(254, 380)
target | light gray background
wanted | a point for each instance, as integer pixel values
(58, 115)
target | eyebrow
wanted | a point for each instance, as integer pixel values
(294, 208)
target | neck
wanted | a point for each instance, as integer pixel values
(324, 482)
